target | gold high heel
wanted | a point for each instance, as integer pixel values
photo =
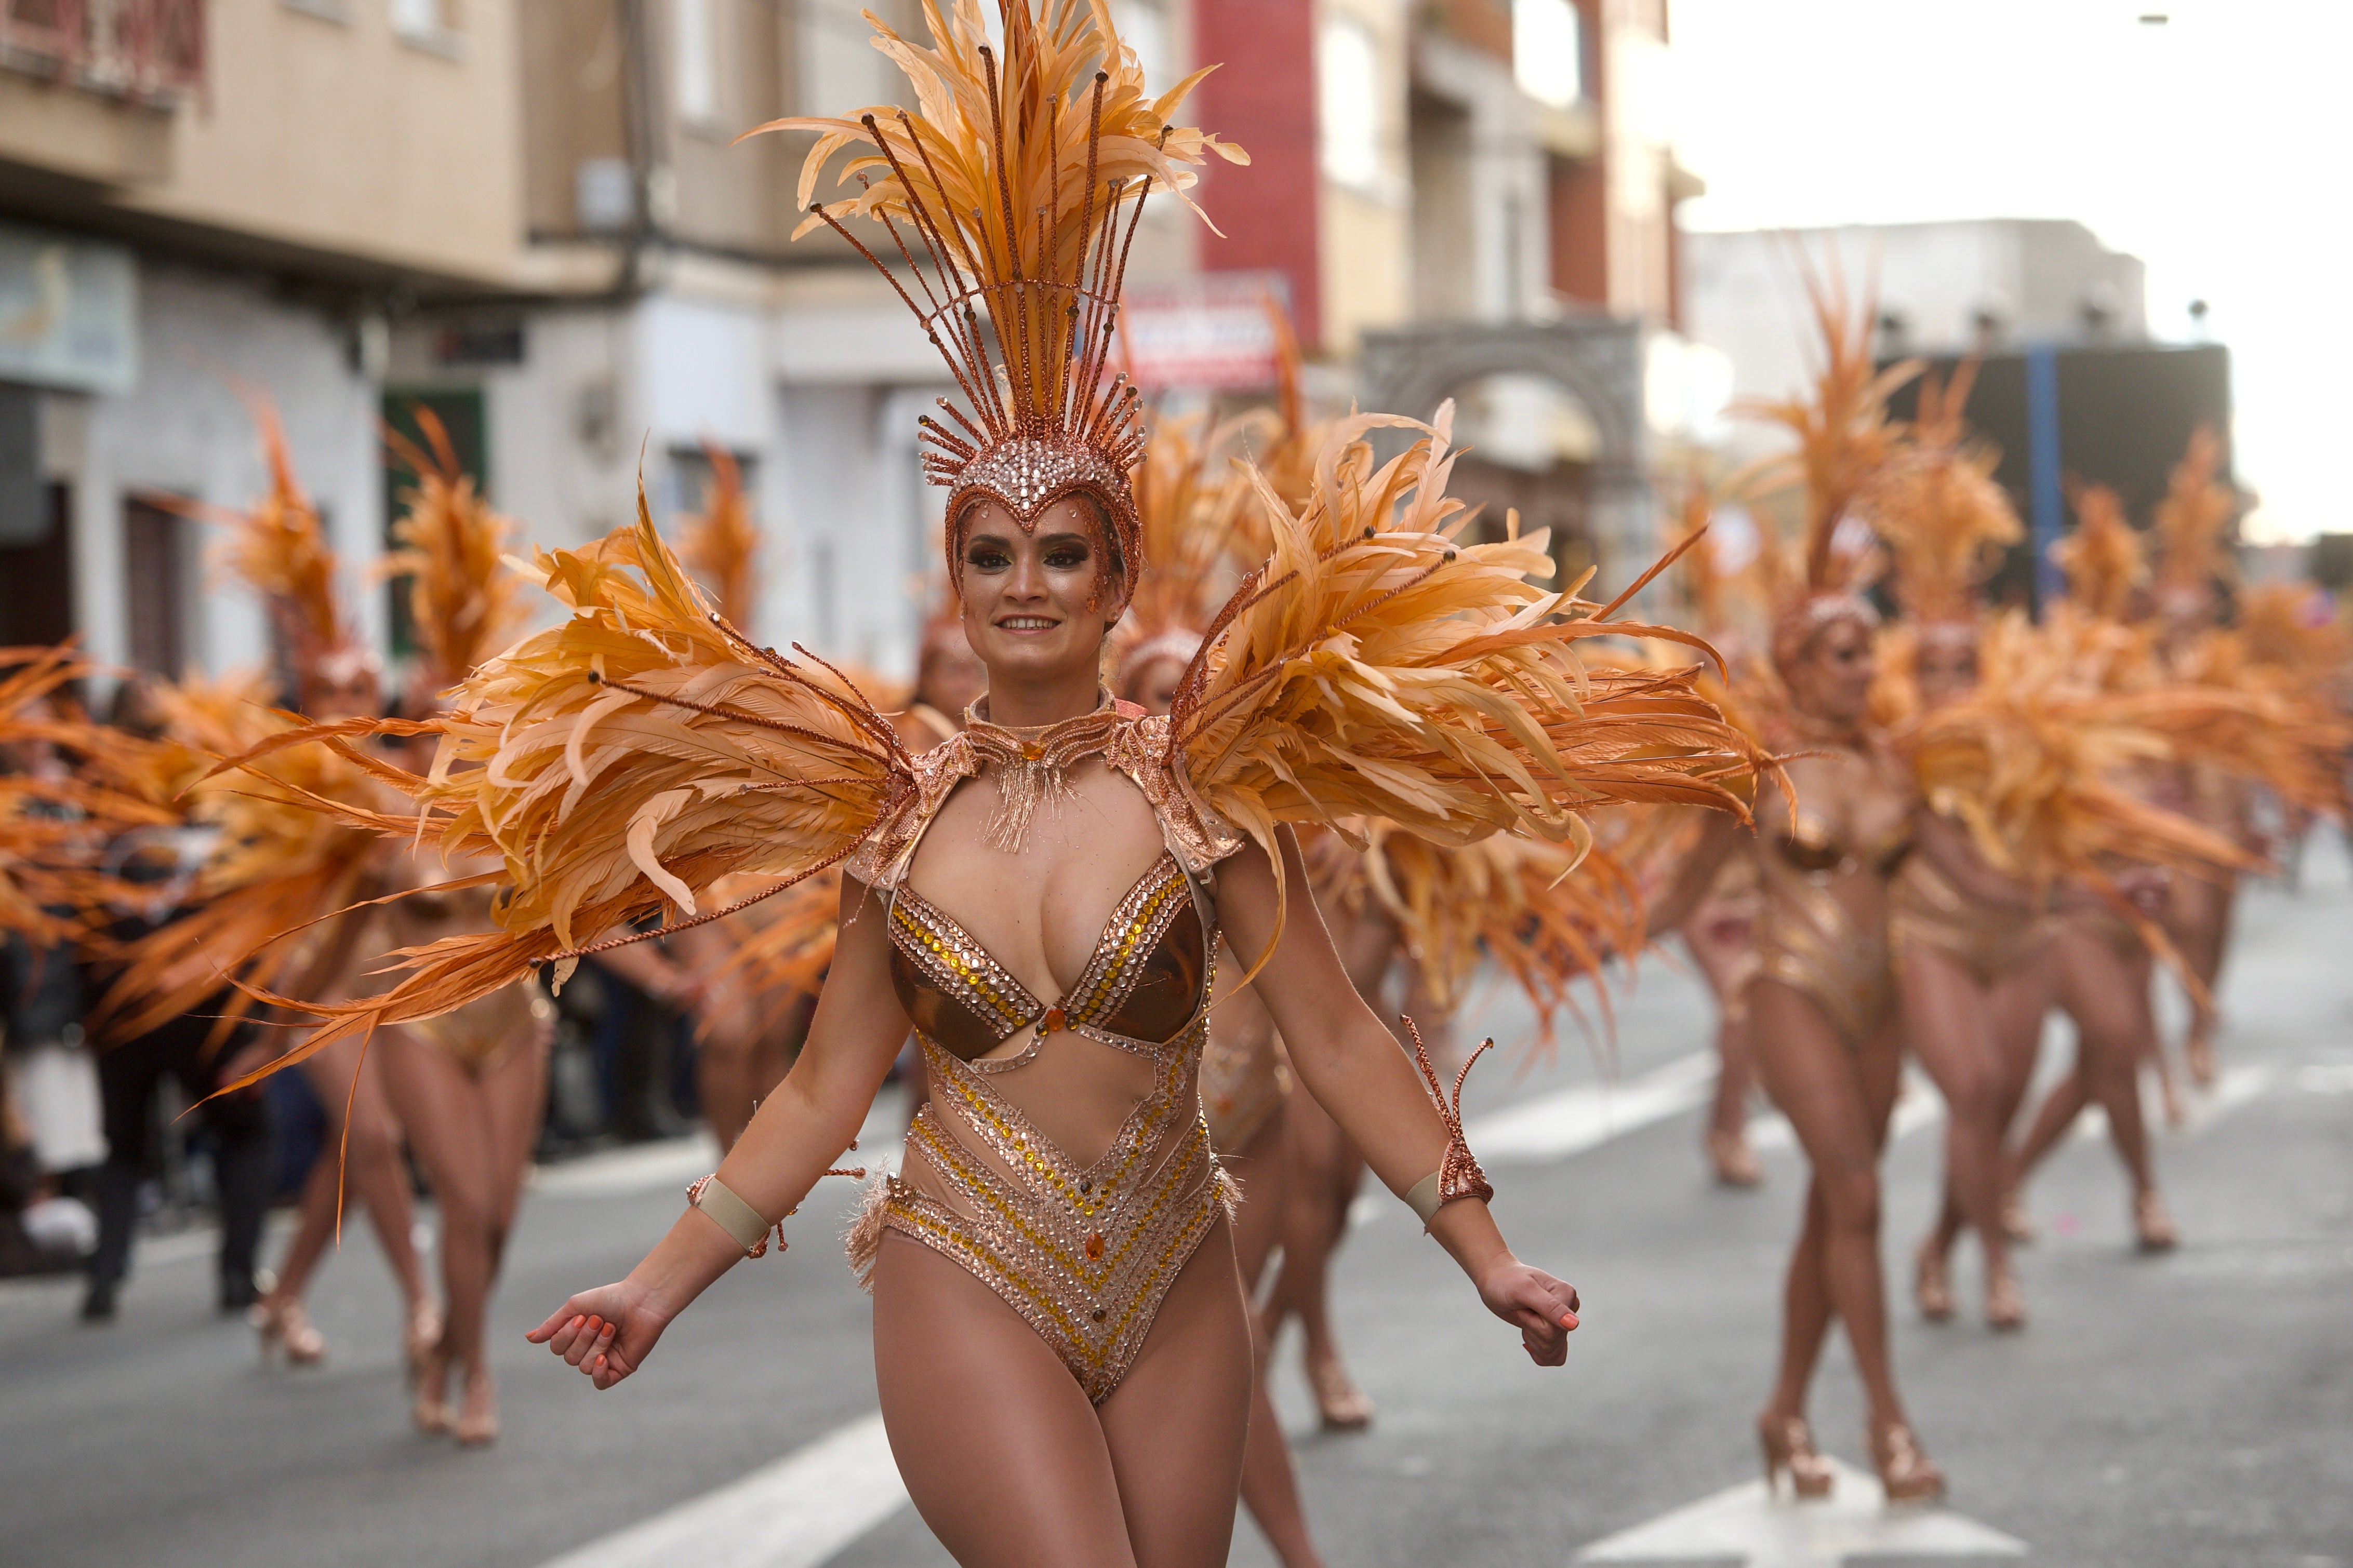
(1343, 1406)
(2005, 1307)
(478, 1423)
(422, 1338)
(284, 1325)
(1906, 1473)
(1789, 1445)
(1932, 1284)
(2153, 1225)
(1736, 1162)
(2016, 1223)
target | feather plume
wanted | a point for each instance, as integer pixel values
(1011, 175)
(1376, 668)
(2104, 559)
(721, 546)
(2195, 517)
(1844, 436)
(1938, 509)
(464, 603)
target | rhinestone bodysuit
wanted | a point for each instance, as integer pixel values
(1084, 1253)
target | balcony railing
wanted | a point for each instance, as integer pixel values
(148, 51)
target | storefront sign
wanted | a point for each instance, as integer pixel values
(69, 311)
(1212, 332)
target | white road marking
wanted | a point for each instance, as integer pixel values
(1918, 1106)
(1571, 1120)
(2237, 1087)
(1745, 1524)
(795, 1513)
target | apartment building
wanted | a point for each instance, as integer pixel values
(196, 198)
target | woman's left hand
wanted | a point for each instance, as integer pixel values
(1542, 1307)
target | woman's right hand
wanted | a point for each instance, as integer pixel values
(606, 1333)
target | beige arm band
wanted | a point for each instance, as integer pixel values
(731, 1214)
(1423, 1200)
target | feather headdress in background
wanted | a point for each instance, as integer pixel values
(463, 601)
(721, 545)
(1002, 192)
(1937, 506)
(2104, 559)
(2194, 519)
(278, 547)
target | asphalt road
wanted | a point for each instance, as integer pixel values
(2191, 1410)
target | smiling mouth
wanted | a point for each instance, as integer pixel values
(1026, 623)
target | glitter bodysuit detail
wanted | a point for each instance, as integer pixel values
(1084, 1253)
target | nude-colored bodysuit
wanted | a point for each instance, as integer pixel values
(1808, 937)
(479, 1034)
(1989, 940)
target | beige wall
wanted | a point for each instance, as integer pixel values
(1366, 239)
(340, 136)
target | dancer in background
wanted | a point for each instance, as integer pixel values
(1822, 1007)
(275, 875)
(469, 1086)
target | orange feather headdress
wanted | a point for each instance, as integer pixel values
(1845, 442)
(464, 601)
(1939, 510)
(2195, 515)
(723, 544)
(1011, 177)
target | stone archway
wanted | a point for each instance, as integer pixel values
(1598, 359)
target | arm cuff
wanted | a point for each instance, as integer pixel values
(739, 1219)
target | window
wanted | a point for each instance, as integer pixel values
(430, 25)
(1347, 103)
(1548, 50)
(1144, 28)
(695, 36)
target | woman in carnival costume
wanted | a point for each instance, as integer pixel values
(1041, 897)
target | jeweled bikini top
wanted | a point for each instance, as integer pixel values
(1144, 983)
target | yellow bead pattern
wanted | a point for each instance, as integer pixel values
(1026, 1239)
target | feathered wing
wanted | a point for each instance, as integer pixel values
(1376, 666)
(618, 767)
(2039, 765)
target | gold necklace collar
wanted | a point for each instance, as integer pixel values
(1032, 762)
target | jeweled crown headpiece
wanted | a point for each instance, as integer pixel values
(1012, 179)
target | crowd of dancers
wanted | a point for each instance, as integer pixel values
(1883, 816)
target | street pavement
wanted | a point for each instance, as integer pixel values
(2191, 1410)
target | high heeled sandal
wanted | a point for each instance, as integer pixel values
(2153, 1229)
(285, 1326)
(422, 1337)
(2005, 1307)
(1932, 1282)
(1907, 1475)
(1789, 1445)
(1734, 1162)
(478, 1429)
(1341, 1405)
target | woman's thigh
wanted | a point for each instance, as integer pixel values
(441, 1107)
(1949, 1019)
(1820, 1083)
(1176, 1423)
(1001, 1452)
(1258, 1165)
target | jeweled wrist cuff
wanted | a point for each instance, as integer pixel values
(739, 1219)
(1458, 1175)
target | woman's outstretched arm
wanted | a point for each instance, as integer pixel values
(1354, 1069)
(799, 1132)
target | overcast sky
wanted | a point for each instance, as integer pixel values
(2213, 147)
